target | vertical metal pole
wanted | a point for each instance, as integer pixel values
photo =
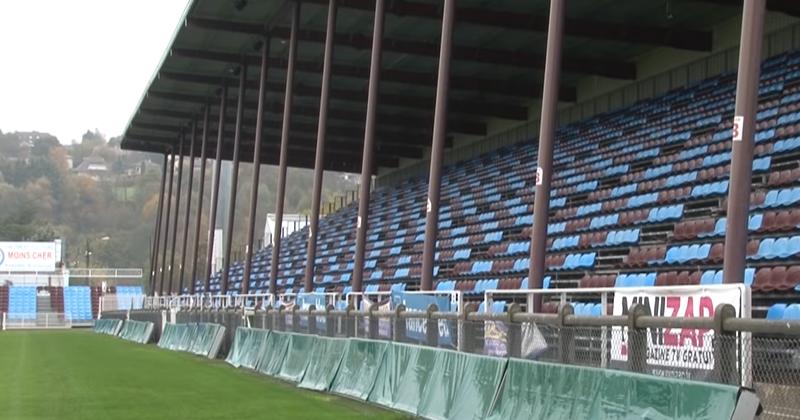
(237, 139)
(251, 228)
(547, 132)
(287, 119)
(200, 192)
(437, 149)
(177, 212)
(168, 206)
(182, 264)
(319, 161)
(744, 125)
(157, 233)
(215, 183)
(369, 146)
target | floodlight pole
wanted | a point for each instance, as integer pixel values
(188, 208)
(200, 191)
(547, 132)
(251, 228)
(168, 206)
(319, 161)
(744, 125)
(157, 233)
(237, 140)
(362, 222)
(177, 211)
(215, 184)
(437, 148)
(285, 129)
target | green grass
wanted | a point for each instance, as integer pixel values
(81, 375)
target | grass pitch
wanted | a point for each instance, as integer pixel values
(64, 375)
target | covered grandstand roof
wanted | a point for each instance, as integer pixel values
(498, 59)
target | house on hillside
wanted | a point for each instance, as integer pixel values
(93, 167)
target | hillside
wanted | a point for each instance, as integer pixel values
(92, 189)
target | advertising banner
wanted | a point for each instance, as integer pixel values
(678, 352)
(416, 328)
(18, 257)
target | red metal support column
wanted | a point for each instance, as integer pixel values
(362, 222)
(168, 206)
(215, 184)
(188, 214)
(319, 160)
(251, 228)
(157, 233)
(437, 147)
(287, 120)
(177, 213)
(547, 132)
(200, 198)
(744, 125)
(237, 140)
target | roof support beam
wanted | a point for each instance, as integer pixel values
(790, 7)
(464, 126)
(608, 68)
(743, 140)
(333, 161)
(347, 137)
(319, 156)
(410, 136)
(526, 89)
(650, 35)
(437, 147)
(547, 134)
(367, 157)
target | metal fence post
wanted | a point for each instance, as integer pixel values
(725, 346)
(350, 321)
(373, 321)
(295, 319)
(466, 330)
(566, 335)
(514, 335)
(399, 330)
(637, 339)
(312, 320)
(330, 324)
(432, 329)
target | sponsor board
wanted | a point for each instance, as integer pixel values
(417, 328)
(684, 352)
(28, 256)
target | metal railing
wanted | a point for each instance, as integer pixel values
(106, 273)
(42, 320)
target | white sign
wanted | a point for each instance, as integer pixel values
(27, 256)
(687, 348)
(738, 126)
(539, 175)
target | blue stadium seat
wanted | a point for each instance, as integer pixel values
(776, 311)
(792, 312)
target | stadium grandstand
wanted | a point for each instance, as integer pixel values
(585, 209)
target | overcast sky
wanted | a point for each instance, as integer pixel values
(67, 66)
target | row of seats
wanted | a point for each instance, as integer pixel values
(622, 181)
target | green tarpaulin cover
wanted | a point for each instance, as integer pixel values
(535, 390)
(271, 358)
(325, 357)
(462, 387)
(297, 357)
(136, 331)
(361, 361)
(107, 326)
